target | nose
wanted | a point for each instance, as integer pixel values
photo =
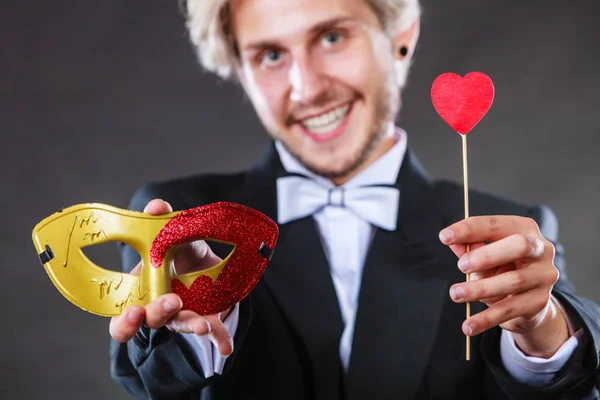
(308, 83)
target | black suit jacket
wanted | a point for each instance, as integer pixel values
(407, 342)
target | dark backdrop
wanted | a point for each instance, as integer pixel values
(99, 97)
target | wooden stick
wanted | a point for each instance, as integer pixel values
(466, 185)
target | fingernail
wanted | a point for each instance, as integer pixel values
(208, 327)
(463, 263)
(457, 292)
(469, 329)
(446, 235)
(170, 305)
(134, 315)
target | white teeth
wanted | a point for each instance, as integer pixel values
(326, 122)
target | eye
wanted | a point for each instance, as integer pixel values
(271, 58)
(330, 38)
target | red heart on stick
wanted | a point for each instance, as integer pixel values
(462, 102)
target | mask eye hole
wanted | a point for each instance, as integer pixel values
(220, 249)
(108, 255)
(199, 255)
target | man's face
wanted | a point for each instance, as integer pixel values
(320, 76)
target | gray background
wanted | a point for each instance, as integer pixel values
(99, 97)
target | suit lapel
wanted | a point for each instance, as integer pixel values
(403, 289)
(402, 293)
(298, 276)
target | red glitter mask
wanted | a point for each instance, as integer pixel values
(157, 238)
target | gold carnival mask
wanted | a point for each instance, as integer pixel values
(60, 238)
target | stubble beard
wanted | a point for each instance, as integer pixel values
(385, 110)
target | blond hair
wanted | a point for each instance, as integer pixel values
(208, 23)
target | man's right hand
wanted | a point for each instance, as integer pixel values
(166, 310)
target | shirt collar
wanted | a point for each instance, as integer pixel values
(384, 171)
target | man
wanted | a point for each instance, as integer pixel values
(355, 300)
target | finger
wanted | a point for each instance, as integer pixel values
(161, 310)
(487, 228)
(506, 284)
(461, 249)
(157, 207)
(195, 256)
(513, 248)
(186, 321)
(526, 305)
(219, 335)
(502, 269)
(125, 326)
(491, 272)
(189, 322)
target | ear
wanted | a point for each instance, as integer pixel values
(406, 41)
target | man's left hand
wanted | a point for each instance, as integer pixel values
(513, 275)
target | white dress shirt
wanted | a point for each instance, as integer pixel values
(345, 239)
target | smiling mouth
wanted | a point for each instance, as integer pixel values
(326, 123)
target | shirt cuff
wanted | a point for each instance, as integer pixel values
(538, 371)
(206, 352)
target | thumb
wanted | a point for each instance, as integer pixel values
(157, 207)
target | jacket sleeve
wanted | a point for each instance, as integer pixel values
(160, 364)
(578, 379)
